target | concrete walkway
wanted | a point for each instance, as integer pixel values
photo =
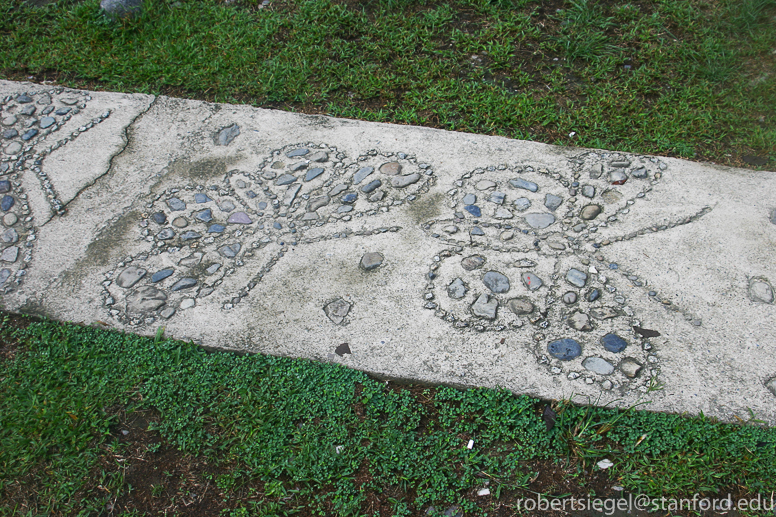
(407, 252)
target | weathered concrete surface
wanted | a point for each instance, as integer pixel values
(679, 248)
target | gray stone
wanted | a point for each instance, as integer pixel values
(319, 157)
(590, 212)
(190, 235)
(531, 281)
(344, 209)
(565, 349)
(29, 134)
(391, 168)
(538, 220)
(576, 277)
(227, 134)
(472, 262)
(187, 303)
(9, 120)
(47, 122)
(337, 310)
(496, 282)
(145, 299)
(604, 313)
(773, 216)
(639, 173)
(520, 306)
(620, 163)
(598, 365)
(166, 234)
(5, 274)
(556, 245)
(205, 215)
(456, 289)
(297, 152)
(371, 186)
(24, 99)
(285, 179)
(7, 203)
(290, 195)
(485, 308)
(317, 203)
(614, 343)
(10, 219)
(10, 254)
(579, 321)
(450, 228)
(176, 205)
(760, 290)
(569, 297)
(130, 276)
(180, 222)
(230, 250)
(213, 268)
(298, 166)
(191, 260)
(469, 199)
(201, 198)
(552, 202)
(10, 133)
(485, 185)
(521, 204)
(497, 197)
(184, 283)
(588, 191)
(502, 213)
(122, 8)
(617, 177)
(28, 110)
(239, 218)
(9, 236)
(477, 231)
(62, 111)
(630, 367)
(770, 384)
(520, 183)
(167, 313)
(405, 181)
(371, 260)
(507, 235)
(313, 173)
(338, 189)
(362, 173)
(161, 275)
(13, 148)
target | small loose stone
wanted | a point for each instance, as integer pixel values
(371, 260)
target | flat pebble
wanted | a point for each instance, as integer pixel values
(484, 307)
(539, 220)
(520, 183)
(371, 260)
(456, 289)
(598, 365)
(565, 349)
(496, 282)
(614, 343)
(162, 274)
(531, 281)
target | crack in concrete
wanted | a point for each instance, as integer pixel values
(111, 160)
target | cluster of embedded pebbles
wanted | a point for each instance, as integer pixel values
(26, 122)
(564, 309)
(197, 235)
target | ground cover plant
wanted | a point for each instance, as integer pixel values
(688, 78)
(97, 422)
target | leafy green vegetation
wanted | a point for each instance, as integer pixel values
(689, 78)
(284, 434)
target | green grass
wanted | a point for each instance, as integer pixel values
(302, 431)
(691, 78)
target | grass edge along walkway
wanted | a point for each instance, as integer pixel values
(304, 431)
